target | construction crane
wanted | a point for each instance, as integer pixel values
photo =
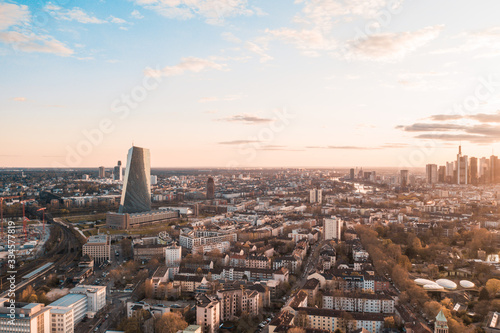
(1, 207)
(25, 219)
(43, 218)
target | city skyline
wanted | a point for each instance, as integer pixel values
(248, 83)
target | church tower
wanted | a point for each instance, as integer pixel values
(441, 324)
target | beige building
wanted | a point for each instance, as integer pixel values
(24, 317)
(62, 320)
(98, 247)
(208, 313)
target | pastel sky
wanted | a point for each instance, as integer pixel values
(205, 83)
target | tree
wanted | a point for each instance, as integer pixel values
(493, 286)
(484, 295)
(170, 323)
(389, 322)
(296, 330)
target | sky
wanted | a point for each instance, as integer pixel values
(235, 83)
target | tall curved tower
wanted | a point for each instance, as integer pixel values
(136, 193)
(210, 188)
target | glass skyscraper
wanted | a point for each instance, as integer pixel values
(136, 193)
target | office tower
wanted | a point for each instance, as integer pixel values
(462, 168)
(154, 179)
(449, 172)
(332, 228)
(494, 169)
(473, 172)
(102, 172)
(442, 174)
(117, 171)
(404, 178)
(210, 188)
(136, 193)
(484, 170)
(431, 173)
(351, 174)
(315, 196)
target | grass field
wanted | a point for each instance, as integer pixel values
(85, 218)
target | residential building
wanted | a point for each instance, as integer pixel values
(98, 247)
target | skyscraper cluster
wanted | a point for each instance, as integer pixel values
(465, 170)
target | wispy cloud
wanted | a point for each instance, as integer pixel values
(247, 119)
(136, 14)
(19, 99)
(221, 99)
(480, 128)
(391, 46)
(74, 14)
(189, 64)
(238, 142)
(19, 16)
(214, 11)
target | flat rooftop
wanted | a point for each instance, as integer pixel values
(68, 300)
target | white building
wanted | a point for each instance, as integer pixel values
(24, 317)
(154, 179)
(173, 256)
(316, 196)
(84, 300)
(98, 247)
(96, 296)
(62, 320)
(74, 301)
(208, 313)
(332, 228)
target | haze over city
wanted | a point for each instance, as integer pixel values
(248, 83)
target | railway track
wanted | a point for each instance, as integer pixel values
(66, 250)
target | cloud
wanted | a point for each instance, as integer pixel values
(188, 64)
(424, 81)
(309, 41)
(230, 37)
(478, 128)
(11, 14)
(238, 142)
(487, 39)
(19, 99)
(391, 46)
(423, 127)
(21, 38)
(214, 11)
(246, 119)
(136, 14)
(116, 20)
(259, 50)
(220, 99)
(384, 146)
(35, 43)
(74, 14)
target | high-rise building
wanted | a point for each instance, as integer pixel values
(136, 193)
(315, 196)
(117, 171)
(351, 174)
(173, 256)
(442, 174)
(431, 173)
(210, 188)
(404, 178)
(473, 171)
(332, 228)
(154, 179)
(462, 167)
(102, 172)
